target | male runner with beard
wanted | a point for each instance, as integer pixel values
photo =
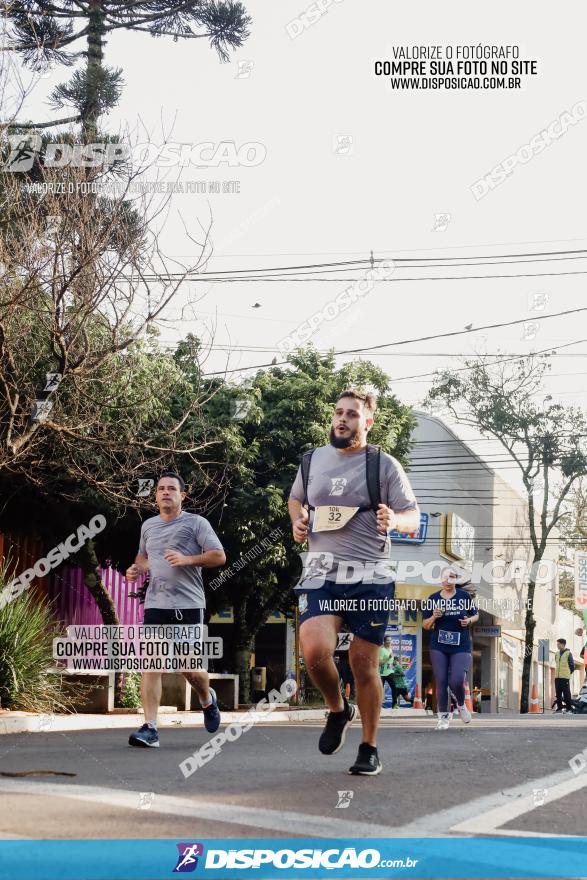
(345, 525)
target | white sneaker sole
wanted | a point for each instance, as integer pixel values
(366, 772)
(141, 744)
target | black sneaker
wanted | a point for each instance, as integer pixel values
(367, 763)
(332, 737)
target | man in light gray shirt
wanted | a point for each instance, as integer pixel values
(176, 586)
(173, 548)
(347, 531)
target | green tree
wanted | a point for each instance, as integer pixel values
(82, 286)
(547, 441)
(280, 414)
(84, 315)
(573, 538)
(45, 33)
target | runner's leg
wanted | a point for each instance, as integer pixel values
(198, 679)
(459, 666)
(384, 679)
(364, 659)
(318, 643)
(387, 678)
(151, 694)
(200, 682)
(394, 694)
(439, 661)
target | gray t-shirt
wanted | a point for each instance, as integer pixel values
(179, 586)
(340, 478)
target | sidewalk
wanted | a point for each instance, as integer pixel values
(31, 722)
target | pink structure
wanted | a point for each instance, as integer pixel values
(73, 603)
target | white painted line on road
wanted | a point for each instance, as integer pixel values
(502, 832)
(483, 815)
(446, 822)
(490, 821)
(304, 824)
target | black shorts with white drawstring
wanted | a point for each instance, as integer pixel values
(186, 616)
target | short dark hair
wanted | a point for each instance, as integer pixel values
(369, 400)
(562, 641)
(175, 477)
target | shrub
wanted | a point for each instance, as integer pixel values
(131, 693)
(27, 630)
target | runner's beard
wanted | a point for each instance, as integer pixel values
(353, 440)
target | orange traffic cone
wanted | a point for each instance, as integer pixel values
(428, 703)
(534, 705)
(468, 701)
(347, 690)
(417, 704)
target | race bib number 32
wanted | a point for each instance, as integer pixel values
(330, 517)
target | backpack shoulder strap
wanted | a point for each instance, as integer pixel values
(373, 465)
(305, 464)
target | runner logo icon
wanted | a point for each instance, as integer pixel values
(338, 484)
(187, 859)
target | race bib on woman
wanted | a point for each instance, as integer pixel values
(330, 517)
(447, 637)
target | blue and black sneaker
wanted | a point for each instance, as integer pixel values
(147, 737)
(212, 714)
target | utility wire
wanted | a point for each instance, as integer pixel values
(366, 263)
(427, 338)
(394, 280)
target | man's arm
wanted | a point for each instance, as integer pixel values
(407, 521)
(402, 521)
(298, 514)
(205, 536)
(140, 566)
(208, 559)
(142, 563)
(399, 495)
(299, 520)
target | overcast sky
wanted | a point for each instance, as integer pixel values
(353, 166)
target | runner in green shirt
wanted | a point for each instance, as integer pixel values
(386, 661)
(400, 685)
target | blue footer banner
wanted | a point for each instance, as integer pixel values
(415, 858)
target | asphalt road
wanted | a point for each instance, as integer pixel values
(497, 776)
